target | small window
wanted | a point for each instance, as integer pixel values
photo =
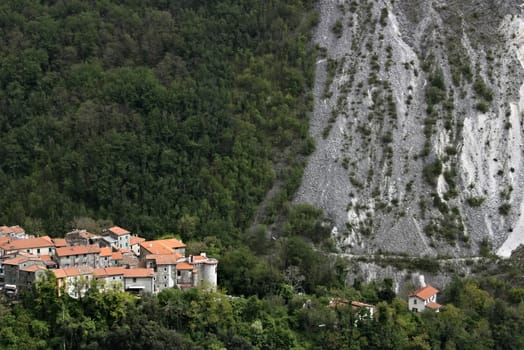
(38, 250)
(165, 268)
(178, 273)
(165, 277)
(134, 279)
(414, 301)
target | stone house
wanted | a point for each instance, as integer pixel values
(33, 246)
(121, 236)
(139, 280)
(424, 298)
(110, 278)
(80, 255)
(165, 268)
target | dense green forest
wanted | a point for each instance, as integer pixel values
(485, 313)
(161, 116)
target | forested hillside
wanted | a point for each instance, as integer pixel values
(163, 116)
(478, 314)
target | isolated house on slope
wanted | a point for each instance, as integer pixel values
(423, 298)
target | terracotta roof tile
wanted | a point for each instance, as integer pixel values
(139, 272)
(105, 251)
(59, 273)
(117, 256)
(434, 306)
(118, 231)
(20, 259)
(76, 271)
(108, 271)
(172, 243)
(164, 259)
(184, 266)
(78, 250)
(155, 247)
(136, 240)
(360, 304)
(34, 268)
(30, 243)
(424, 293)
(59, 242)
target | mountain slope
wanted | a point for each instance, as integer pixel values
(418, 122)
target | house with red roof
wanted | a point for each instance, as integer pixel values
(165, 268)
(139, 280)
(424, 298)
(78, 255)
(110, 278)
(120, 235)
(13, 266)
(34, 246)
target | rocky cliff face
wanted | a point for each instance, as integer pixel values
(418, 120)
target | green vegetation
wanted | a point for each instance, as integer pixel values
(483, 313)
(475, 201)
(161, 116)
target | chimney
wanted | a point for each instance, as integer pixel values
(421, 281)
(203, 254)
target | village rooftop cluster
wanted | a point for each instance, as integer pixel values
(116, 259)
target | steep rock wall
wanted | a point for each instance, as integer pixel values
(418, 122)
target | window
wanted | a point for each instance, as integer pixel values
(414, 301)
(38, 250)
(134, 279)
(165, 277)
(178, 273)
(165, 268)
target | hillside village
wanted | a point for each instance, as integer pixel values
(116, 259)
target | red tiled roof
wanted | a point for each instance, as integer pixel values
(136, 240)
(117, 256)
(59, 242)
(4, 240)
(30, 243)
(4, 229)
(434, 306)
(360, 304)
(172, 243)
(138, 272)
(20, 259)
(105, 251)
(16, 229)
(424, 293)
(76, 271)
(78, 250)
(164, 259)
(118, 231)
(155, 247)
(184, 266)
(34, 268)
(108, 271)
(59, 273)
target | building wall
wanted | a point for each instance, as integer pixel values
(415, 304)
(111, 282)
(79, 260)
(32, 251)
(146, 282)
(122, 241)
(165, 277)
